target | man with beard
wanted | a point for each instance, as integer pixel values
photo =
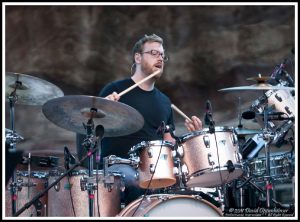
(150, 102)
(155, 107)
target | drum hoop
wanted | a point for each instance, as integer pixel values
(33, 174)
(205, 131)
(143, 144)
(165, 197)
(85, 172)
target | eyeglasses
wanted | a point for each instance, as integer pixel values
(156, 54)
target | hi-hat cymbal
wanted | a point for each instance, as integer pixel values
(71, 112)
(30, 90)
(244, 131)
(259, 86)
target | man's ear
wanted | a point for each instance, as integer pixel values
(137, 58)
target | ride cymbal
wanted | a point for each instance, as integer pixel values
(30, 90)
(71, 112)
(259, 86)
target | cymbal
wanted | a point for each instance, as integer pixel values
(259, 86)
(71, 112)
(30, 90)
(244, 131)
(260, 79)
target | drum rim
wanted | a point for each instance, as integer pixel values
(166, 197)
(205, 131)
(145, 143)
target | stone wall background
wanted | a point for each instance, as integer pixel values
(81, 48)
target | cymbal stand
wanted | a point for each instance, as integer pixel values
(89, 143)
(13, 97)
(268, 136)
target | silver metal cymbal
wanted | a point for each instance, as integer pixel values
(244, 131)
(71, 112)
(255, 87)
(30, 90)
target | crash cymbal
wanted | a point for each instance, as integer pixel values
(244, 131)
(259, 86)
(30, 90)
(71, 112)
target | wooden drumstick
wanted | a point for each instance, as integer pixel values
(138, 83)
(180, 112)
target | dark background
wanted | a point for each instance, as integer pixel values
(82, 48)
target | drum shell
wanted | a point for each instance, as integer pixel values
(149, 152)
(69, 191)
(38, 183)
(206, 154)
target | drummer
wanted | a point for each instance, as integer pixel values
(148, 56)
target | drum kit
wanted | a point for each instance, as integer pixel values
(211, 158)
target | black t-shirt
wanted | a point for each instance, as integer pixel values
(153, 105)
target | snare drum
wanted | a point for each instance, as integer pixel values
(170, 205)
(280, 168)
(69, 198)
(210, 159)
(27, 189)
(156, 163)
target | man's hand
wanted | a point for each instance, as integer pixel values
(193, 125)
(114, 97)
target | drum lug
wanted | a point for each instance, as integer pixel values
(175, 171)
(210, 161)
(234, 139)
(278, 97)
(151, 168)
(287, 109)
(206, 141)
(57, 186)
(173, 153)
(180, 151)
(137, 175)
(184, 169)
(150, 152)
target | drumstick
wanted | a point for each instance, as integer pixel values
(180, 112)
(138, 83)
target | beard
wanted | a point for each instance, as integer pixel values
(148, 69)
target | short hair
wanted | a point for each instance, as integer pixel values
(138, 46)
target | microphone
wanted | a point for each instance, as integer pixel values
(114, 159)
(69, 158)
(248, 114)
(208, 117)
(161, 129)
(208, 113)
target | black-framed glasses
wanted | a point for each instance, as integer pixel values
(156, 54)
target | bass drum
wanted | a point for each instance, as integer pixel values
(168, 205)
